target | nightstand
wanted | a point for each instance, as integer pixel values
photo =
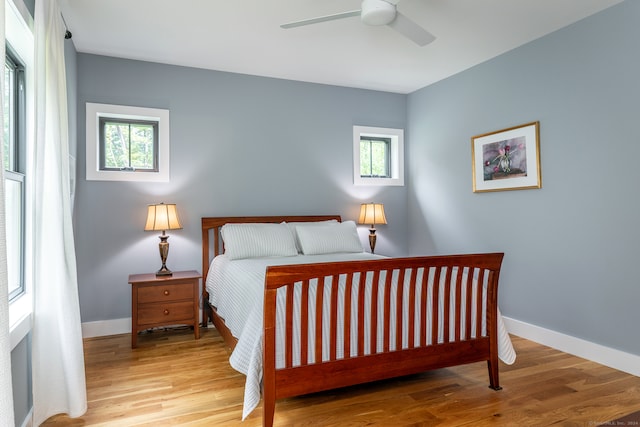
(164, 301)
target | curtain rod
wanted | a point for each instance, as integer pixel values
(67, 33)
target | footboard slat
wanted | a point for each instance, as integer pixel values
(319, 310)
(435, 292)
(399, 308)
(422, 338)
(383, 318)
(374, 311)
(347, 315)
(289, 328)
(304, 322)
(447, 300)
(469, 292)
(412, 309)
(360, 325)
(387, 312)
(478, 319)
(458, 324)
(333, 318)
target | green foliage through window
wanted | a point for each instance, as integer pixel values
(130, 145)
(375, 157)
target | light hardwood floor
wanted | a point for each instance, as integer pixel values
(172, 379)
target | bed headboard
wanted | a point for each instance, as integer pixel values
(211, 231)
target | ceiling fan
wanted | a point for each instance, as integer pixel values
(376, 13)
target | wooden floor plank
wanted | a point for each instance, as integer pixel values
(172, 379)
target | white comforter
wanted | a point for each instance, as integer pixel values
(236, 289)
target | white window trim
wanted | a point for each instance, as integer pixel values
(95, 111)
(20, 321)
(397, 155)
(19, 35)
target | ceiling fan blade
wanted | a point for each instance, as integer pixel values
(321, 19)
(411, 30)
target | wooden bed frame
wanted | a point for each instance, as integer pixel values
(458, 347)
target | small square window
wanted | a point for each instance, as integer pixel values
(127, 143)
(375, 156)
(378, 156)
(130, 145)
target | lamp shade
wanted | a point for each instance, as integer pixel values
(162, 217)
(372, 213)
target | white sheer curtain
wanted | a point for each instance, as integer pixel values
(58, 361)
(6, 390)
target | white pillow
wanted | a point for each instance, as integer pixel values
(249, 240)
(328, 239)
(292, 226)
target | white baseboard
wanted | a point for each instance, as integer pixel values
(607, 356)
(28, 421)
(103, 328)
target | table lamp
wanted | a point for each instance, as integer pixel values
(372, 213)
(163, 217)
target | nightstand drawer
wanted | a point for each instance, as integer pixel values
(164, 292)
(149, 314)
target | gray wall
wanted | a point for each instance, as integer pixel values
(240, 145)
(571, 247)
(21, 380)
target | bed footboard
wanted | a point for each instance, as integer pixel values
(338, 324)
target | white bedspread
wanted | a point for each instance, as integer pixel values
(236, 289)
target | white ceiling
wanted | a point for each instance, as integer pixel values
(244, 36)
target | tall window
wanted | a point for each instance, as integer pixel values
(14, 166)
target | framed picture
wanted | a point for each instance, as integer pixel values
(507, 159)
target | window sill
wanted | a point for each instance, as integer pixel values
(20, 321)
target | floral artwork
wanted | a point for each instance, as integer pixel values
(508, 159)
(505, 159)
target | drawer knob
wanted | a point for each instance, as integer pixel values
(166, 312)
(166, 292)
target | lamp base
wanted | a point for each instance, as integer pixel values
(164, 251)
(164, 271)
(372, 238)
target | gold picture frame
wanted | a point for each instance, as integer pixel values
(507, 159)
